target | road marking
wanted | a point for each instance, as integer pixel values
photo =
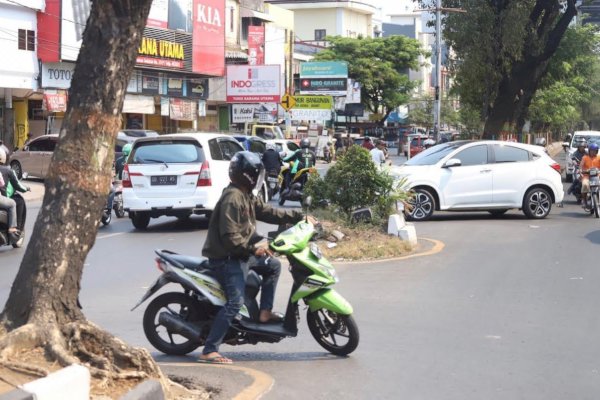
(110, 235)
(261, 385)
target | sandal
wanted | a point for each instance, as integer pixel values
(218, 359)
(274, 317)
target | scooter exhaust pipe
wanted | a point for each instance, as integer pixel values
(177, 325)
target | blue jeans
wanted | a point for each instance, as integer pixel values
(269, 268)
(231, 273)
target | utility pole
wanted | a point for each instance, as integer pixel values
(437, 109)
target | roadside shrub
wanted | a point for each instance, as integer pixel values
(355, 182)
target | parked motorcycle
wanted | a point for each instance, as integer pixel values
(118, 200)
(108, 207)
(594, 201)
(177, 323)
(293, 191)
(5, 239)
(272, 183)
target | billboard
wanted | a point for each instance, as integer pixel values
(324, 69)
(329, 86)
(256, 45)
(208, 37)
(253, 84)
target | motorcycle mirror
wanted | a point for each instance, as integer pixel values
(307, 201)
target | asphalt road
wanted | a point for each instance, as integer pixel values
(507, 310)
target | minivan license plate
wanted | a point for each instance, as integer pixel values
(163, 180)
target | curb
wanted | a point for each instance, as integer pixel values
(437, 247)
(70, 383)
(147, 390)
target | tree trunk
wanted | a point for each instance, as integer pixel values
(42, 309)
(518, 86)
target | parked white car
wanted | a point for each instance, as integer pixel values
(285, 147)
(489, 176)
(177, 175)
(589, 136)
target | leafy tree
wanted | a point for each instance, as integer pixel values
(42, 310)
(421, 112)
(381, 65)
(503, 49)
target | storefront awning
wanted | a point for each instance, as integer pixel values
(256, 14)
(236, 54)
(138, 104)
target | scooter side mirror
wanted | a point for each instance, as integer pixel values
(307, 202)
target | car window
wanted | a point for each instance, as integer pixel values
(505, 154)
(167, 151)
(229, 148)
(215, 150)
(475, 155)
(44, 144)
(434, 154)
(292, 146)
(279, 147)
(256, 146)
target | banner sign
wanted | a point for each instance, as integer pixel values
(324, 69)
(150, 83)
(182, 110)
(313, 102)
(197, 88)
(256, 45)
(174, 86)
(264, 112)
(253, 84)
(160, 53)
(57, 75)
(310, 114)
(55, 102)
(330, 86)
(208, 38)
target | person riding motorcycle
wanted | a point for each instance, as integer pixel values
(580, 152)
(231, 241)
(15, 207)
(272, 159)
(304, 157)
(121, 161)
(590, 160)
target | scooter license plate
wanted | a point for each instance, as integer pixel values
(272, 179)
(163, 180)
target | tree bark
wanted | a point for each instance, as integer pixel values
(519, 84)
(47, 285)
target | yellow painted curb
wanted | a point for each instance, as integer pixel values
(261, 385)
(438, 246)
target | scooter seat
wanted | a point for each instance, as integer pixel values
(180, 260)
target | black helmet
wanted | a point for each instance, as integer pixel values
(305, 143)
(246, 170)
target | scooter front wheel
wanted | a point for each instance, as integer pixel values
(336, 333)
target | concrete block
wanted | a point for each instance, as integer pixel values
(409, 234)
(147, 390)
(395, 223)
(70, 383)
(17, 394)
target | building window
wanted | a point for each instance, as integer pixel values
(231, 19)
(26, 40)
(320, 34)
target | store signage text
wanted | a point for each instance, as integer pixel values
(161, 48)
(209, 15)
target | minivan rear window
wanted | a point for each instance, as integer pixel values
(167, 151)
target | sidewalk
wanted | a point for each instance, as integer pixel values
(37, 190)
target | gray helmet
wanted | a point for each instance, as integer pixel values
(580, 142)
(305, 143)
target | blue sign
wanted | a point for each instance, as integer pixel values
(324, 69)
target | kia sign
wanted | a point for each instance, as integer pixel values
(208, 38)
(253, 84)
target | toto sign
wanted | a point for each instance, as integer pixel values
(253, 83)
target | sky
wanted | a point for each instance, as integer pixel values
(399, 6)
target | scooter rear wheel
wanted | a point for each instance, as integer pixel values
(336, 333)
(159, 336)
(596, 205)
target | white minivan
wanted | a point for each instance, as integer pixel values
(177, 175)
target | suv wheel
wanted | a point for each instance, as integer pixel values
(140, 220)
(423, 205)
(537, 203)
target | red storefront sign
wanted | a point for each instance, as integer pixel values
(256, 45)
(55, 102)
(208, 38)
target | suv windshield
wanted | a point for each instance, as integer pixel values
(167, 151)
(434, 154)
(588, 138)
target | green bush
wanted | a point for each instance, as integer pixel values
(355, 182)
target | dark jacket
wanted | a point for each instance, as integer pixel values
(272, 161)
(233, 223)
(306, 157)
(119, 165)
(10, 179)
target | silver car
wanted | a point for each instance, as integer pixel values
(34, 158)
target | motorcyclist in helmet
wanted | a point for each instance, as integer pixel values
(590, 160)
(231, 241)
(15, 206)
(272, 159)
(581, 144)
(304, 157)
(121, 161)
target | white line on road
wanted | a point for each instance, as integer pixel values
(110, 235)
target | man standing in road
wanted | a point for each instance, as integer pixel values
(231, 242)
(378, 155)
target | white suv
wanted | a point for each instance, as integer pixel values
(589, 136)
(176, 175)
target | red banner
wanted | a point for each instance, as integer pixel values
(208, 38)
(55, 102)
(256, 45)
